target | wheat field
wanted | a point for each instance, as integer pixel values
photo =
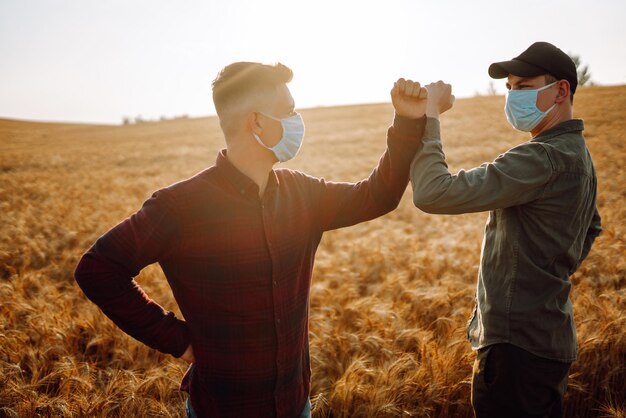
(389, 301)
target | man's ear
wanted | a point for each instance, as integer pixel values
(564, 90)
(254, 122)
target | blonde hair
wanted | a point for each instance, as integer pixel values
(242, 87)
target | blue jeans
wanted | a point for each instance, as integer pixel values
(306, 412)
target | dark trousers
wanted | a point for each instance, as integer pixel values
(306, 412)
(511, 382)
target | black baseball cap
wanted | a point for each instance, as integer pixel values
(540, 58)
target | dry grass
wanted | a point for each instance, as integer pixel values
(389, 301)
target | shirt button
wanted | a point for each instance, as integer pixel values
(278, 321)
(275, 283)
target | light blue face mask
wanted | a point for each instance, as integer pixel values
(521, 108)
(291, 141)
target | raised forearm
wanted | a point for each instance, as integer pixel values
(516, 177)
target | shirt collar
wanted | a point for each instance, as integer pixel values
(239, 180)
(572, 125)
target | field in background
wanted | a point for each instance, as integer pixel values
(389, 300)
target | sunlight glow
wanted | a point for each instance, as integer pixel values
(98, 61)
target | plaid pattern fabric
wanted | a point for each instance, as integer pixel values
(240, 269)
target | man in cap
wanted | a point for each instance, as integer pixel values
(237, 243)
(542, 222)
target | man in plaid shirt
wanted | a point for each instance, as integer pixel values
(237, 243)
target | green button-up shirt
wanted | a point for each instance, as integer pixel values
(542, 222)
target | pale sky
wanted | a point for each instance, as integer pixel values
(100, 60)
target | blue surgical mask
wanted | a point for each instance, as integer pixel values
(291, 141)
(521, 108)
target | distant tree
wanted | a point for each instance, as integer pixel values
(491, 90)
(582, 71)
(126, 120)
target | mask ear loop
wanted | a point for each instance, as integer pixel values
(270, 116)
(260, 142)
(547, 86)
(258, 139)
(551, 108)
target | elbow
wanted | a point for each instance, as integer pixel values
(427, 208)
(430, 204)
(393, 204)
(431, 196)
(385, 203)
(81, 272)
(423, 201)
(418, 200)
(423, 193)
(87, 277)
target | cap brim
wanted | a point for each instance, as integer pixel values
(515, 67)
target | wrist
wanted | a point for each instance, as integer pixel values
(432, 112)
(408, 126)
(409, 116)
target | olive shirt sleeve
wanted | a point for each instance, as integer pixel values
(514, 178)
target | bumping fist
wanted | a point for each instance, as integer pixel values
(440, 98)
(409, 98)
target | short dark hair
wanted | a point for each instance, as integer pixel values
(552, 79)
(240, 80)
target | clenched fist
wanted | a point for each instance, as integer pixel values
(409, 98)
(440, 98)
